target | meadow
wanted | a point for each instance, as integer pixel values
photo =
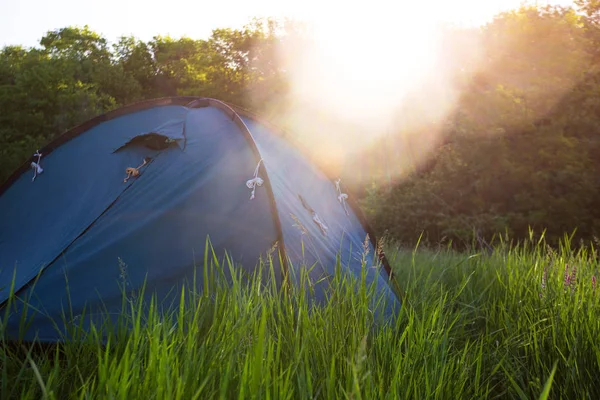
(519, 321)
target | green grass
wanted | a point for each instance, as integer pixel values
(472, 326)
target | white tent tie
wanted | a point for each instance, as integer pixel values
(256, 181)
(134, 172)
(37, 169)
(321, 224)
(342, 197)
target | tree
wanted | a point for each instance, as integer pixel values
(591, 8)
(519, 150)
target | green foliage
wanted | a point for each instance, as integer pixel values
(519, 150)
(520, 322)
(591, 9)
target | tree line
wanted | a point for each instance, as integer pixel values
(519, 149)
(520, 152)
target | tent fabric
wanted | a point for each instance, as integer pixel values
(299, 194)
(75, 236)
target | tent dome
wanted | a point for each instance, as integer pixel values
(144, 186)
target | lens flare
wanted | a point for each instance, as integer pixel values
(371, 85)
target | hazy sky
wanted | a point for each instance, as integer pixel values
(25, 22)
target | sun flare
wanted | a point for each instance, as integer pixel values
(366, 61)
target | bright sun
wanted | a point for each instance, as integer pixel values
(366, 58)
(368, 55)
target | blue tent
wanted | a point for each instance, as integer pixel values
(143, 187)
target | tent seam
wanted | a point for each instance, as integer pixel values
(269, 188)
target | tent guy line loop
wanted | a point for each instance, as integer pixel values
(315, 217)
(134, 172)
(256, 181)
(320, 223)
(342, 197)
(37, 169)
